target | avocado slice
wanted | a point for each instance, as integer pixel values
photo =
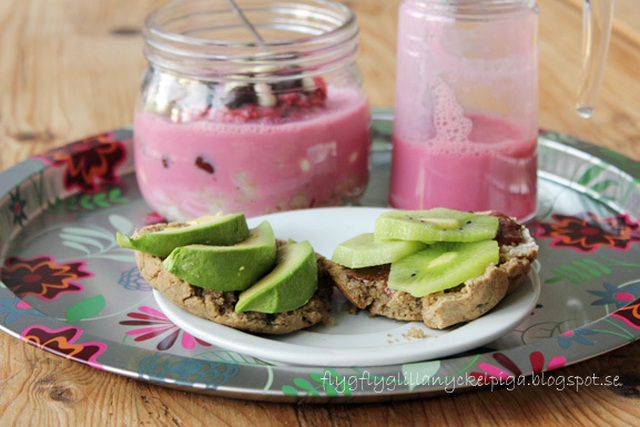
(218, 230)
(290, 285)
(226, 268)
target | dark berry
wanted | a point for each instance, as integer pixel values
(201, 163)
(287, 86)
(291, 84)
(240, 95)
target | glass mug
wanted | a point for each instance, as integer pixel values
(252, 118)
(466, 107)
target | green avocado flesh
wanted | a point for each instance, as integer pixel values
(226, 268)
(290, 285)
(216, 230)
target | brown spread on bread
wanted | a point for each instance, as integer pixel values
(509, 231)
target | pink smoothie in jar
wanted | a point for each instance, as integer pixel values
(226, 164)
(252, 107)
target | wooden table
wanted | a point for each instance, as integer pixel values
(70, 69)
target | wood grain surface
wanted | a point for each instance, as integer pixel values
(70, 69)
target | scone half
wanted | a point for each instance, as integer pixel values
(218, 306)
(366, 288)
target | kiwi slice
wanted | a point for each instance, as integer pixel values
(364, 251)
(436, 225)
(441, 266)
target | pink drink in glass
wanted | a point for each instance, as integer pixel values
(465, 126)
(495, 169)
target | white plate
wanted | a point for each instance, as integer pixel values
(354, 340)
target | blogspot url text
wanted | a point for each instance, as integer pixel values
(383, 384)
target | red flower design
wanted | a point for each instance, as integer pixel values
(17, 207)
(62, 341)
(89, 161)
(42, 277)
(537, 365)
(630, 314)
(155, 324)
(588, 232)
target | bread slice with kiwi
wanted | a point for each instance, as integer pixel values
(366, 288)
(219, 306)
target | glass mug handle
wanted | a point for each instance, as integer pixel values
(596, 32)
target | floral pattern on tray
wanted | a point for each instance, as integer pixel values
(585, 232)
(69, 289)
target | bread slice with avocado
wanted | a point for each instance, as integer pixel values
(366, 287)
(221, 306)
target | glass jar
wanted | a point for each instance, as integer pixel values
(466, 102)
(254, 118)
(466, 124)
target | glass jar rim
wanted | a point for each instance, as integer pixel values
(475, 6)
(329, 34)
(157, 19)
(478, 3)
